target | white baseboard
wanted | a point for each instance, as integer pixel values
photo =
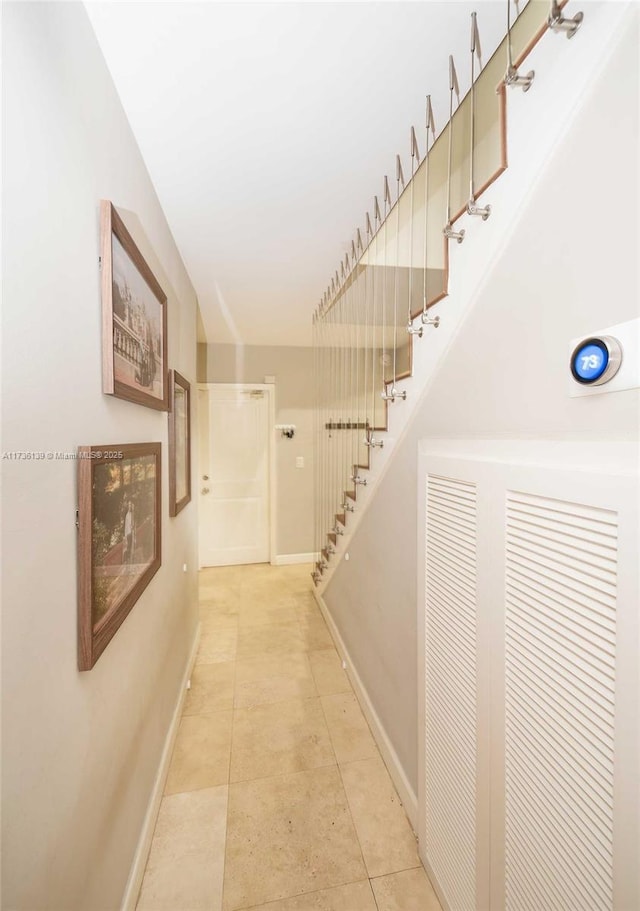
(405, 791)
(286, 559)
(146, 835)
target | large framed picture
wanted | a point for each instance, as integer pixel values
(119, 540)
(134, 319)
(179, 442)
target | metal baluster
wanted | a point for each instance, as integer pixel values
(338, 438)
(369, 439)
(377, 221)
(448, 231)
(314, 325)
(472, 208)
(323, 455)
(361, 360)
(385, 277)
(346, 452)
(415, 157)
(329, 433)
(390, 395)
(372, 442)
(340, 388)
(338, 381)
(425, 319)
(349, 468)
(353, 323)
(354, 473)
(317, 318)
(331, 515)
(356, 314)
(367, 308)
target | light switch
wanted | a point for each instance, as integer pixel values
(299, 461)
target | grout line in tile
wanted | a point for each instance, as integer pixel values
(355, 828)
(326, 721)
(373, 891)
(394, 872)
(284, 898)
(325, 765)
(226, 822)
(204, 787)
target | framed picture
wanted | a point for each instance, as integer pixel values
(179, 442)
(119, 540)
(134, 319)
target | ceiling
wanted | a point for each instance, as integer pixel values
(267, 129)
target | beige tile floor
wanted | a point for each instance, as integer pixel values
(277, 798)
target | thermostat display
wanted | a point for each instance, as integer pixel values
(596, 360)
(590, 362)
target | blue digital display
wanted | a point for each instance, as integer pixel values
(589, 361)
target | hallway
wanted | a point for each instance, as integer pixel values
(277, 798)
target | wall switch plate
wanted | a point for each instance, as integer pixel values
(184, 567)
(299, 461)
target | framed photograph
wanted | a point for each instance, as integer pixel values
(119, 540)
(179, 442)
(134, 319)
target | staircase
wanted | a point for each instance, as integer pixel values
(394, 305)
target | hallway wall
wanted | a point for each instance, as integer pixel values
(80, 750)
(295, 400)
(569, 268)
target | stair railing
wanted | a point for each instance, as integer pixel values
(356, 349)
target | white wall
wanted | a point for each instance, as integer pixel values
(568, 268)
(80, 750)
(295, 400)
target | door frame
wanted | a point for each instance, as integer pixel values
(270, 390)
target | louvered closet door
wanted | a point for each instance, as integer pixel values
(561, 587)
(451, 688)
(530, 602)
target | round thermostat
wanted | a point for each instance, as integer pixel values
(596, 360)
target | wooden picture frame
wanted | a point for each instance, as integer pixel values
(119, 538)
(134, 319)
(179, 442)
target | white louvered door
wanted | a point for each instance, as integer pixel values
(529, 749)
(561, 586)
(450, 686)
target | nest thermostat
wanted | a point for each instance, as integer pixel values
(596, 360)
(607, 360)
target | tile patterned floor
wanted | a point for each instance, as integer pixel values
(277, 798)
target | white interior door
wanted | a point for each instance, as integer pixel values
(234, 475)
